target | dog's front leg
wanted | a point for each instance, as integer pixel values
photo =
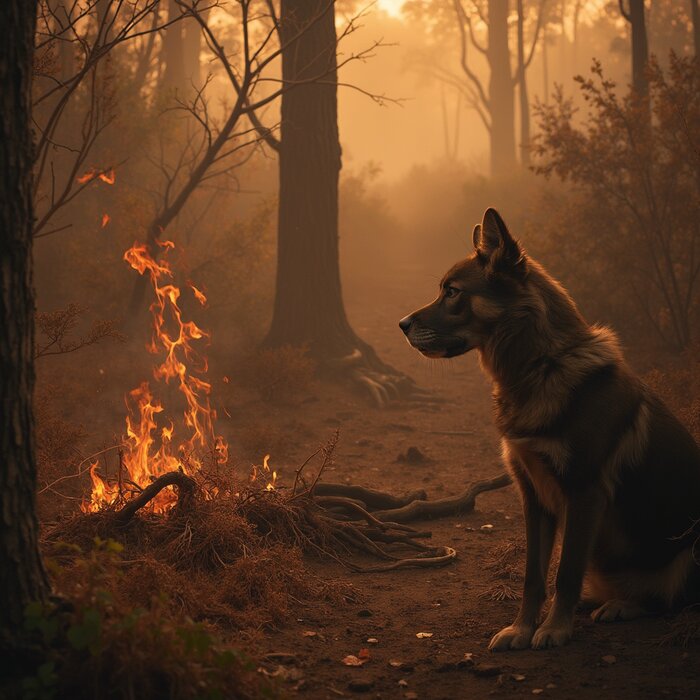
(583, 515)
(540, 528)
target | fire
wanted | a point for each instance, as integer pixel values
(149, 449)
(105, 220)
(109, 177)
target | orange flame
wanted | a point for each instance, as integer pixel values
(110, 177)
(105, 220)
(173, 339)
(86, 176)
(198, 295)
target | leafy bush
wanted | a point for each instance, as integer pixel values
(637, 165)
(94, 645)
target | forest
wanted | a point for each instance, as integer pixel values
(224, 473)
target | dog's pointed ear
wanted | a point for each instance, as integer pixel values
(495, 244)
(476, 236)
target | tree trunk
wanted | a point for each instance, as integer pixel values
(522, 91)
(192, 47)
(308, 307)
(501, 93)
(173, 54)
(640, 49)
(695, 14)
(22, 576)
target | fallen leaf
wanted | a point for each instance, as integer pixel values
(351, 660)
(372, 640)
(309, 633)
(424, 635)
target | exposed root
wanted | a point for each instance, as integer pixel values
(184, 483)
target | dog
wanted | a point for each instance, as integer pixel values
(594, 454)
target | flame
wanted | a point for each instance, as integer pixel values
(105, 220)
(110, 177)
(102, 492)
(86, 176)
(174, 341)
(201, 298)
(266, 467)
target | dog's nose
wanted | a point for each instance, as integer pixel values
(405, 323)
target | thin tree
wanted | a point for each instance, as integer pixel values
(495, 105)
(22, 575)
(695, 14)
(635, 15)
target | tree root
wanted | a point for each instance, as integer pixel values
(186, 488)
(379, 382)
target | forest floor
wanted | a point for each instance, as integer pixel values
(457, 604)
(454, 604)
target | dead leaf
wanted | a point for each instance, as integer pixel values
(372, 640)
(424, 635)
(352, 660)
(309, 633)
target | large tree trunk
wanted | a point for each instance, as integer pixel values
(501, 93)
(22, 576)
(308, 307)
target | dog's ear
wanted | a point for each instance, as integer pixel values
(476, 236)
(496, 246)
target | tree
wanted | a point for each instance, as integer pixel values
(635, 15)
(22, 576)
(308, 307)
(695, 14)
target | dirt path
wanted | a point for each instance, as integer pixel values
(454, 604)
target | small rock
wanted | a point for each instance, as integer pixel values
(372, 640)
(486, 670)
(412, 456)
(517, 677)
(609, 659)
(360, 686)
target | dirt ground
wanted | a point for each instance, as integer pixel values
(453, 604)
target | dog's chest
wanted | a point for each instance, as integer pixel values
(540, 471)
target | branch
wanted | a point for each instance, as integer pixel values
(461, 17)
(184, 483)
(623, 12)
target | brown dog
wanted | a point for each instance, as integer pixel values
(594, 453)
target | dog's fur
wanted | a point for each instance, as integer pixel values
(593, 452)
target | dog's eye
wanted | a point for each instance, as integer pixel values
(451, 292)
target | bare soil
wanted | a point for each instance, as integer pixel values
(454, 604)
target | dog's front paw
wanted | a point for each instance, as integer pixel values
(551, 635)
(512, 637)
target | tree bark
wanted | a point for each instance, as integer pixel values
(501, 93)
(635, 15)
(522, 91)
(173, 54)
(695, 14)
(22, 576)
(308, 306)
